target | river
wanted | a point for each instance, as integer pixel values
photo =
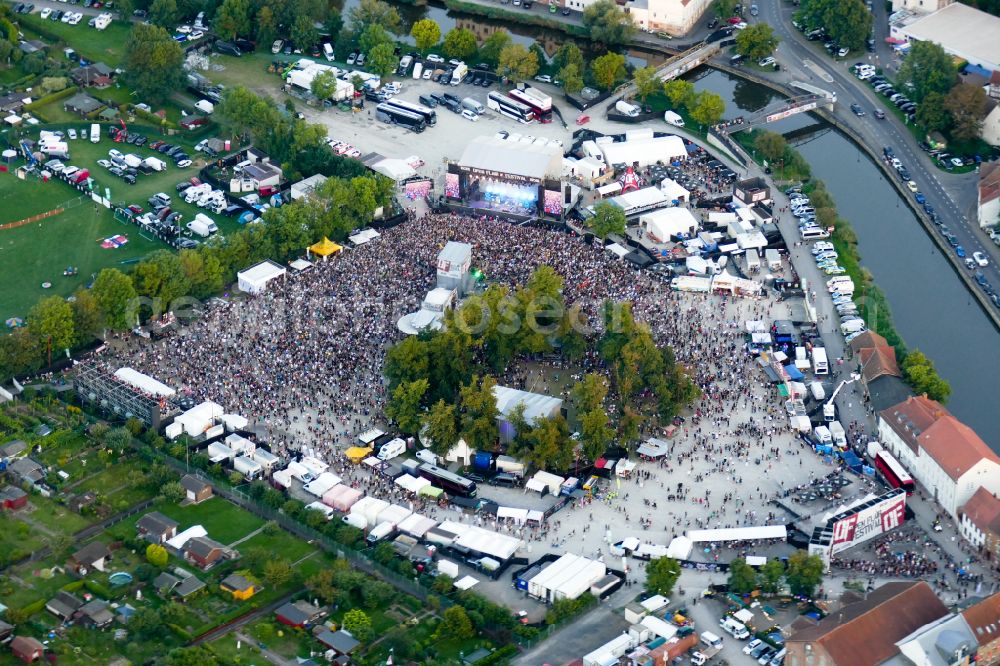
(931, 307)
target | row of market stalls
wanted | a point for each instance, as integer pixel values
(715, 284)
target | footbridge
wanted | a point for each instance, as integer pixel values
(679, 64)
(779, 111)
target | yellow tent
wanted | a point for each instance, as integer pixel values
(325, 247)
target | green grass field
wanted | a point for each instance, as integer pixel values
(107, 46)
(39, 252)
(224, 521)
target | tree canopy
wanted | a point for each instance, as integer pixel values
(848, 22)
(607, 219)
(662, 574)
(153, 62)
(607, 24)
(926, 69)
(459, 43)
(608, 70)
(756, 41)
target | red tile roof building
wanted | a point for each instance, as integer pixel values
(984, 621)
(943, 455)
(866, 632)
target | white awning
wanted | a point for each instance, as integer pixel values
(519, 515)
(466, 583)
(143, 382)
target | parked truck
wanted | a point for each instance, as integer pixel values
(838, 434)
(510, 466)
(460, 71)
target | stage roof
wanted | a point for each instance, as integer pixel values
(532, 161)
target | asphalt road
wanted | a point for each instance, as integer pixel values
(953, 196)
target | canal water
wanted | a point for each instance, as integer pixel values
(931, 307)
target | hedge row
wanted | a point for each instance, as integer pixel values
(49, 99)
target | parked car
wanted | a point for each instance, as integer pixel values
(980, 259)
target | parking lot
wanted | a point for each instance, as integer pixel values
(444, 141)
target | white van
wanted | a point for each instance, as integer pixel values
(328, 50)
(132, 160)
(734, 627)
(208, 222)
(853, 326)
(673, 118)
(199, 227)
(380, 532)
(813, 233)
(356, 520)
(95, 133)
(710, 639)
(392, 449)
(204, 106)
(427, 456)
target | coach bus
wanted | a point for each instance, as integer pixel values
(537, 102)
(427, 113)
(894, 474)
(407, 119)
(511, 108)
(450, 483)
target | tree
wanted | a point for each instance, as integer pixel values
(163, 13)
(926, 69)
(407, 361)
(568, 54)
(770, 145)
(608, 69)
(724, 8)
(459, 43)
(356, 622)
(596, 433)
(479, 413)
(232, 19)
(607, 219)
(86, 315)
(375, 12)
(742, 577)
(770, 576)
(373, 36)
(967, 104)
(153, 62)
(921, 375)
(847, 22)
(267, 25)
(646, 82)
(662, 574)
(303, 32)
(382, 60)
(405, 406)
(426, 33)
(571, 77)
(441, 425)
(157, 555)
(756, 41)
(161, 277)
(804, 573)
(173, 492)
(517, 63)
(679, 92)
(490, 51)
(931, 114)
(455, 625)
(608, 24)
(323, 86)
(589, 394)
(707, 108)
(51, 321)
(277, 571)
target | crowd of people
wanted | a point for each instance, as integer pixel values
(304, 361)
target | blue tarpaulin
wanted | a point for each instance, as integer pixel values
(793, 373)
(868, 471)
(824, 449)
(976, 69)
(852, 461)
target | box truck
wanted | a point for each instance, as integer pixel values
(418, 70)
(208, 222)
(838, 434)
(199, 227)
(95, 133)
(380, 532)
